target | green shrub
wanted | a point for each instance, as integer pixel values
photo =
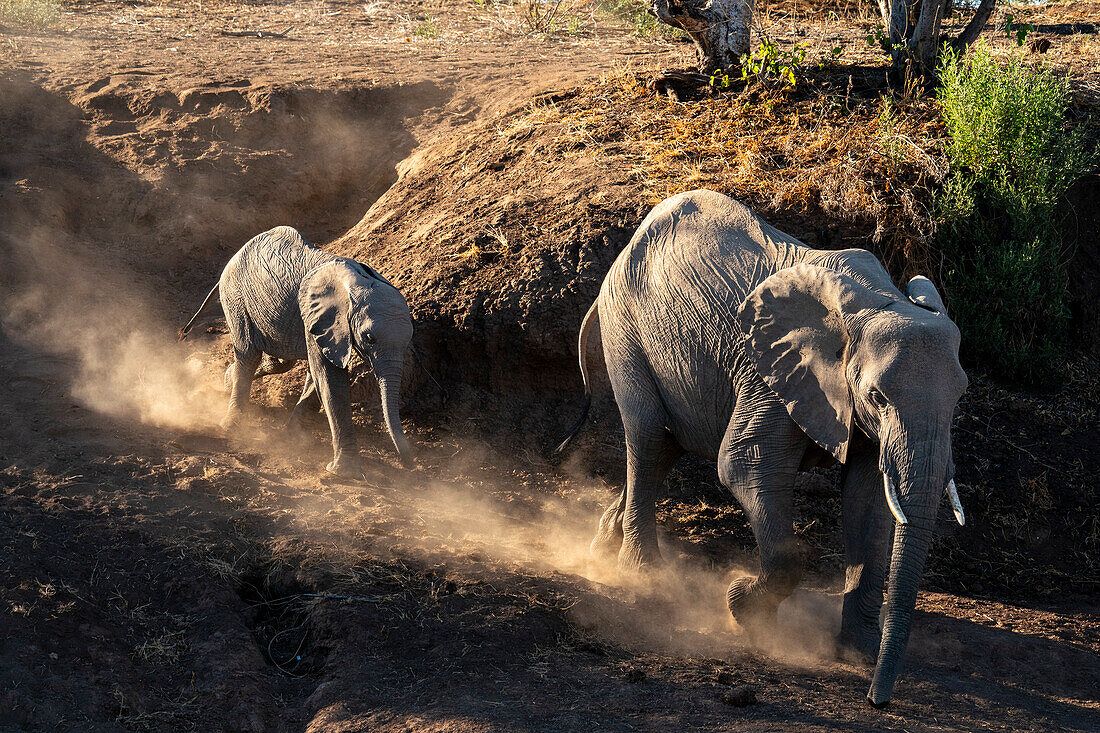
(428, 29)
(1012, 158)
(35, 14)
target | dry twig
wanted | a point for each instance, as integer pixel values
(258, 34)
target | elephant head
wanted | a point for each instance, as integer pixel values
(346, 307)
(845, 350)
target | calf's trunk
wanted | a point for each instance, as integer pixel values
(389, 385)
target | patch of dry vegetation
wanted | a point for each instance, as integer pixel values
(30, 14)
(859, 159)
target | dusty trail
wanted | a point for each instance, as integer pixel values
(261, 594)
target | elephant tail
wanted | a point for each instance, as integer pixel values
(182, 333)
(582, 351)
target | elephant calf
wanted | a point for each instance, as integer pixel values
(286, 300)
(726, 338)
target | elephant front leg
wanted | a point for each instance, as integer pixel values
(753, 602)
(334, 387)
(307, 403)
(760, 455)
(867, 537)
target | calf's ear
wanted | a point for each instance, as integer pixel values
(325, 299)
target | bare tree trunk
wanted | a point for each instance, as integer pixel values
(898, 25)
(924, 46)
(914, 32)
(719, 28)
(974, 28)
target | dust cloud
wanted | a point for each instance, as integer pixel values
(124, 359)
(463, 514)
(125, 363)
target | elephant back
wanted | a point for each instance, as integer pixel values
(261, 284)
(702, 246)
(672, 296)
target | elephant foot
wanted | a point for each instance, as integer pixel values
(296, 429)
(752, 607)
(609, 535)
(637, 557)
(859, 648)
(346, 466)
(232, 420)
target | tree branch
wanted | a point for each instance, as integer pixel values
(975, 27)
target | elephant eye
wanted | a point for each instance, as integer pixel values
(876, 399)
(369, 338)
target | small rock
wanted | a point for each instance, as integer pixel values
(726, 678)
(740, 696)
(195, 484)
(635, 675)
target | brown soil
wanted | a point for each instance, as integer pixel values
(156, 574)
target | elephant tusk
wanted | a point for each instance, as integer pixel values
(956, 505)
(892, 500)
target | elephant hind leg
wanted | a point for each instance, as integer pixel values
(609, 535)
(239, 377)
(650, 453)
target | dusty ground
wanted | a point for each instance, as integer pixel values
(156, 574)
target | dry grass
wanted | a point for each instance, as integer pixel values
(30, 14)
(163, 648)
(854, 159)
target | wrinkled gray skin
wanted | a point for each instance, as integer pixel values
(729, 339)
(286, 300)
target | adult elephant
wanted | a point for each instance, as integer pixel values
(729, 339)
(286, 300)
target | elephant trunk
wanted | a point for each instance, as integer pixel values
(389, 385)
(918, 467)
(911, 543)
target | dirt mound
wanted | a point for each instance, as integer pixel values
(170, 181)
(499, 240)
(500, 236)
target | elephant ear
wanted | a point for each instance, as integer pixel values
(325, 298)
(796, 327)
(922, 292)
(371, 272)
